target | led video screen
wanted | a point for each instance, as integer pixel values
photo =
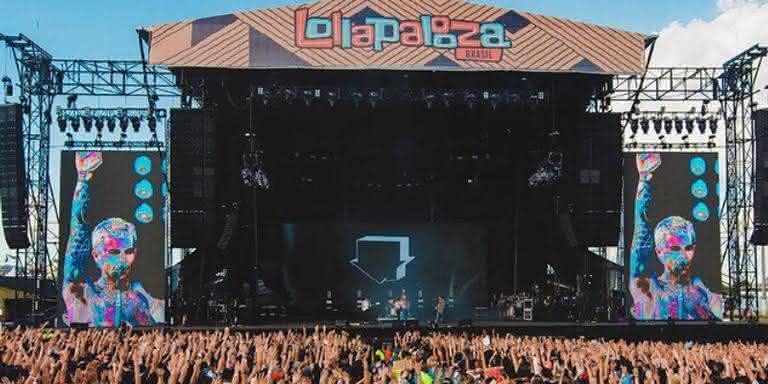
(380, 261)
(112, 267)
(672, 235)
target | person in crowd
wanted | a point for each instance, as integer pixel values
(675, 293)
(326, 356)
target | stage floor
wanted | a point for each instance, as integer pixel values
(679, 331)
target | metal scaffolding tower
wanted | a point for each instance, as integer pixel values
(40, 79)
(732, 86)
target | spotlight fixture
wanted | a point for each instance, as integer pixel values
(429, 100)
(634, 125)
(701, 125)
(373, 98)
(8, 85)
(495, 98)
(447, 96)
(75, 124)
(111, 124)
(667, 126)
(72, 101)
(135, 123)
(679, 125)
(87, 123)
(645, 125)
(333, 98)
(471, 99)
(713, 125)
(308, 95)
(152, 124)
(123, 123)
(356, 98)
(62, 123)
(657, 126)
(99, 124)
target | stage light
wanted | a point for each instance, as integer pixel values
(333, 98)
(471, 99)
(373, 98)
(357, 97)
(429, 100)
(701, 124)
(123, 123)
(87, 123)
(657, 126)
(71, 101)
(495, 98)
(447, 96)
(634, 125)
(75, 124)
(667, 125)
(308, 97)
(645, 125)
(678, 125)
(152, 124)
(62, 123)
(111, 124)
(135, 123)
(8, 86)
(689, 125)
(99, 124)
(713, 122)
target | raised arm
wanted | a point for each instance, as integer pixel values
(79, 242)
(642, 238)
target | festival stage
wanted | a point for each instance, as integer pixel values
(662, 331)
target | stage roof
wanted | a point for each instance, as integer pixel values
(396, 35)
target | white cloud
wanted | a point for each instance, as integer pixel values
(725, 5)
(739, 25)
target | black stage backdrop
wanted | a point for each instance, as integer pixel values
(684, 185)
(112, 190)
(380, 260)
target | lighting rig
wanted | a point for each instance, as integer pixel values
(696, 128)
(372, 97)
(76, 122)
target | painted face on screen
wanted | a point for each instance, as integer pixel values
(114, 247)
(675, 244)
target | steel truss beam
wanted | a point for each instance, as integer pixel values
(41, 79)
(732, 86)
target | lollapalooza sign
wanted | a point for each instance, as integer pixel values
(470, 40)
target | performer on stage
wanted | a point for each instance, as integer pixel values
(403, 306)
(114, 299)
(440, 310)
(675, 293)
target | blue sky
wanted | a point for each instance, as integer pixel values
(105, 28)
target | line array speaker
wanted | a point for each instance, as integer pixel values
(193, 175)
(13, 178)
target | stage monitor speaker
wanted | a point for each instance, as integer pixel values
(593, 178)
(193, 175)
(13, 178)
(760, 237)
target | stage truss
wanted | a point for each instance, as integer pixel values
(732, 86)
(40, 79)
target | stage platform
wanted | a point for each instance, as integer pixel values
(679, 331)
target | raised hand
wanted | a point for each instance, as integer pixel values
(647, 163)
(87, 162)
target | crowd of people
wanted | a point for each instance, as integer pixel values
(326, 356)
